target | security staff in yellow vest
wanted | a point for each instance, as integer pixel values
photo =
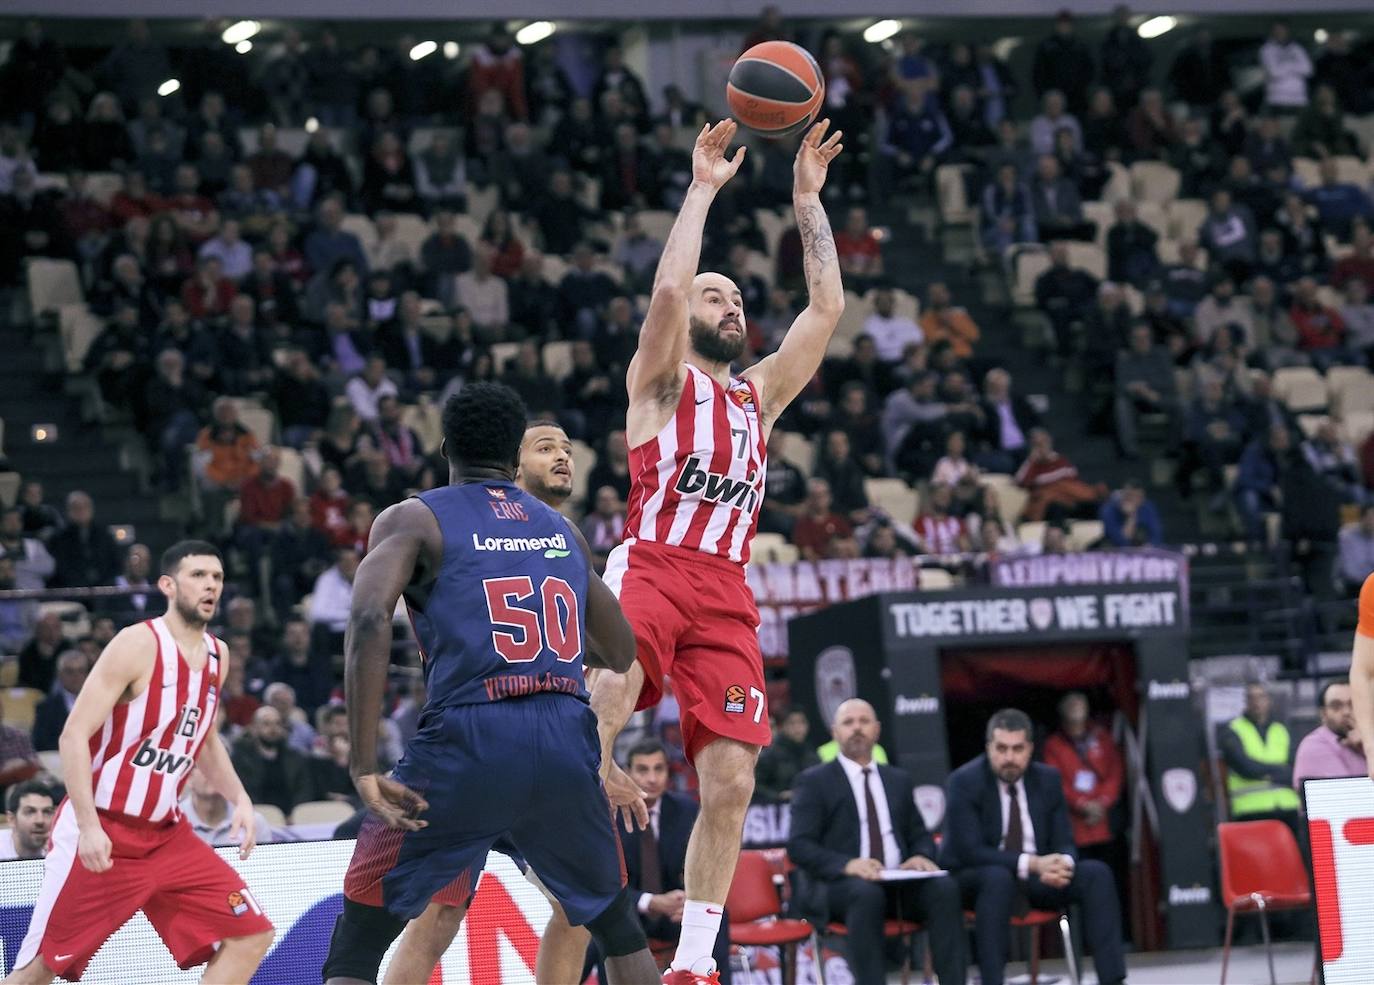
(1259, 762)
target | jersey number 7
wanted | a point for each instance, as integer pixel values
(555, 624)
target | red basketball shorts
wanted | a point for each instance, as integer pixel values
(695, 621)
(191, 896)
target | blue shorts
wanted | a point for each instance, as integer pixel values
(524, 771)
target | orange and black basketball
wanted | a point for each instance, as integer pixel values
(775, 88)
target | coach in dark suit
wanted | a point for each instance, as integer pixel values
(1008, 842)
(655, 859)
(851, 819)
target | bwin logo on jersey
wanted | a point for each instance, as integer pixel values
(160, 760)
(714, 487)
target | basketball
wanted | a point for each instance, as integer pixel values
(775, 89)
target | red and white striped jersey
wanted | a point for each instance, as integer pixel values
(698, 483)
(143, 754)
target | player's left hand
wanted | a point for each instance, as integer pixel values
(243, 827)
(626, 797)
(393, 802)
(813, 159)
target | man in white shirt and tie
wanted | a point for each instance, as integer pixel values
(853, 823)
(1009, 844)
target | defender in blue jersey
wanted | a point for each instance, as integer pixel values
(506, 612)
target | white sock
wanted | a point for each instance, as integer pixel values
(700, 927)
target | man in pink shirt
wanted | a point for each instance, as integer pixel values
(1333, 748)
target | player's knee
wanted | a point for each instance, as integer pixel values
(362, 935)
(254, 944)
(727, 790)
(433, 931)
(616, 929)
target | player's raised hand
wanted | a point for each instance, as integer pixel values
(625, 796)
(243, 827)
(813, 159)
(93, 846)
(709, 163)
(393, 802)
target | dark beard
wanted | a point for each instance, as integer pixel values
(708, 343)
(190, 614)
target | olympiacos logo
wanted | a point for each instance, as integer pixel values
(836, 680)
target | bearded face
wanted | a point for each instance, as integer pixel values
(720, 342)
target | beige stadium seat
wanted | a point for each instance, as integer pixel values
(1084, 533)
(468, 227)
(1030, 264)
(656, 223)
(1301, 388)
(1355, 397)
(256, 418)
(322, 812)
(19, 705)
(589, 193)
(292, 468)
(1118, 185)
(1089, 257)
(1309, 423)
(439, 327)
(772, 226)
(1186, 216)
(52, 761)
(555, 268)
(558, 359)
(952, 195)
(502, 353)
(1010, 497)
(1155, 181)
(1307, 171)
(1031, 532)
(799, 450)
(1357, 426)
(103, 185)
(935, 580)
(584, 460)
(1103, 216)
(51, 284)
(1339, 378)
(482, 202)
(75, 619)
(9, 671)
(78, 328)
(362, 227)
(272, 814)
(772, 549)
(9, 488)
(895, 497)
(412, 230)
(1168, 253)
(760, 266)
(856, 312)
(426, 420)
(904, 304)
(1154, 215)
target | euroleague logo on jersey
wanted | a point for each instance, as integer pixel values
(734, 699)
(744, 396)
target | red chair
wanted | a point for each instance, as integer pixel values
(1034, 920)
(1261, 871)
(905, 929)
(755, 913)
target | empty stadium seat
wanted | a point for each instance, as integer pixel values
(412, 230)
(952, 194)
(1119, 184)
(1154, 215)
(1089, 257)
(272, 814)
(1186, 216)
(1155, 181)
(502, 353)
(1032, 532)
(257, 419)
(19, 705)
(772, 549)
(894, 497)
(52, 761)
(1011, 498)
(558, 360)
(1084, 533)
(1301, 388)
(584, 460)
(1307, 172)
(656, 223)
(482, 202)
(9, 488)
(77, 327)
(1352, 379)
(1030, 264)
(799, 450)
(102, 185)
(1356, 427)
(426, 420)
(322, 812)
(51, 284)
(772, 225)
(760, 266)
(1103, 216)
(292, 468)
(362, 227)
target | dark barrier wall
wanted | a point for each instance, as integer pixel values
(886, 648)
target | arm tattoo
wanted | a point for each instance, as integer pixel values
(818, 243)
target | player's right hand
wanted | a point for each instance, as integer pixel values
(93, 846)
(710, 166)
(395, 803)
(625, 796)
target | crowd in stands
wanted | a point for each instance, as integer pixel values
(289, 265)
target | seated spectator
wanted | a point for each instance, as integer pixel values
(226, 452)
(1144, 385)
(389, 255)
(1274, 261)
(443, 256)
(366, 390)
(397, 443)
(484, 296)
(863, 366)
(441, 174)
(50, 717)
(234, 255)
(561, 218)
(1065, 294)
(244, 358)
(84, 554)
(1054, 116)
(1131, 248)
(533, 300)
(265, 498)
(1262, 467)
(1358, 264)
(525, 374)
(1358, 314)
(891, 333)
(33, 565)
(780, 763)
(1084, 171)
(939, 531)
(1339, 203)
(138, 563)
(388, 177)
(914, 137)
(1333, 749)
(1104, 128)
(1355, 558)
(507, 250)
(329, 243)
(1228, 235)
(1150, 129)
(914, 426)
(853, 818)
(1007, 422)
(117, 357)
(272, 772)
(1274, 342)
(1053, 482)
(1199, 159)
(837, 465)
(1304, 237)
(859, 250)
(1321, 330)
(853, 416)
(303, 402)
(784, 489)
(213, 818)
(18, 761)
(333, 592)
(1022, 855)
(16, 617)
(38, 658)
(1222, 308)
(1214, 434)
(584, 292)
(328, 768)
(968, 120)
(1056, 204)
(1321, 132)
(1006, 214)
(954, 469)
(1184, 283)
(628, 178)
(1129, 519)
(604, 527)
(1334, 460)
(944, 321)
(637, 254)
(818, 526)
(612, 467)
(30, 808)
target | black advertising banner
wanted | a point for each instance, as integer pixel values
(887, 649)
